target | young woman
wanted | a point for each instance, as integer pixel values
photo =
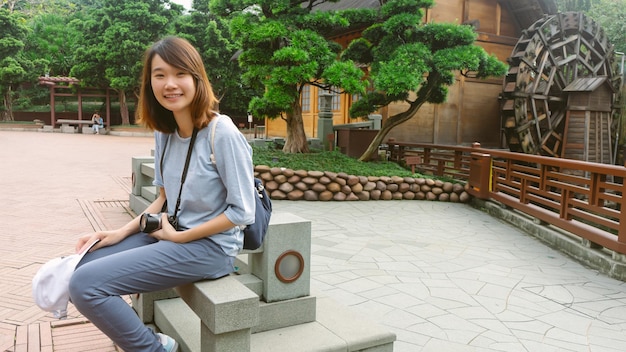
(176, 99)
(97, 122)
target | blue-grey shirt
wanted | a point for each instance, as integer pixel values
(209, 189)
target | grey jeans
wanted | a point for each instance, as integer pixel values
(139, 264)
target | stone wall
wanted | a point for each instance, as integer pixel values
(287, 184)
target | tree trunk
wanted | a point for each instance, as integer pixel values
(123, 107)
(296, 137)
(422, 96)
(7, 115)
(387, 126)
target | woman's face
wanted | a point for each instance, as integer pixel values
(173, 88)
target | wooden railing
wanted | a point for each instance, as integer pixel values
(582, 198)
(438, 160)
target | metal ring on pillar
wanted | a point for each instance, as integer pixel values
(289, 266)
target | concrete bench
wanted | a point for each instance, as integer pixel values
(266, 305)
(82, 126)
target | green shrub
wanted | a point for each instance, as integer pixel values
(327, 161)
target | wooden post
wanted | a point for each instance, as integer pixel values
(480, 175)
(52, 109)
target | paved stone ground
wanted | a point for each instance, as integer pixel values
(443, 277)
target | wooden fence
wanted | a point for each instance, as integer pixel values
(582, 198)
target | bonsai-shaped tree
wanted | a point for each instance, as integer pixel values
(406, 55)
(284, 47)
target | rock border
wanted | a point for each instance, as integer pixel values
(288, 184)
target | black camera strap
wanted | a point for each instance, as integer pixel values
(184, 175)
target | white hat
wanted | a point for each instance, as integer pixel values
(52, 281)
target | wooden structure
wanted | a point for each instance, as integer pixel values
(589, 133)
(472, 111)
(62, 87)
(558, 98)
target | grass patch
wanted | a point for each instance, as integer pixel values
(332, 161)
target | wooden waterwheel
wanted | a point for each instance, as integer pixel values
(555, 53)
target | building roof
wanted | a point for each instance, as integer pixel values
(51, 81)
(348, 4)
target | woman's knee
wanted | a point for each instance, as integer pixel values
(81, 287)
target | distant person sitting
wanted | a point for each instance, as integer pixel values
(98, 122)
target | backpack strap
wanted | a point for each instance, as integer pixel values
(212, 156)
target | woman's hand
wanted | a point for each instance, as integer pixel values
(106, 238)
(167, 232)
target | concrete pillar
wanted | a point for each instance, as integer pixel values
(377, 121)
(325, 119)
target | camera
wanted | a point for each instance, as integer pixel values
(152, 222)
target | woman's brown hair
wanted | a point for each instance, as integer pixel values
(181, 54)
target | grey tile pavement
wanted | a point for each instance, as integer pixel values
(442, 276)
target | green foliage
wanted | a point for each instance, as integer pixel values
(211, 36)
(101, 42)
(363, 106)
(14, 30)
(453, 58)
(52, 39)
(281, 59)
(284, 47)
(401, 24)
(391, 8)
(29, 97)
(323, 23)
(574, 5)
(268, 32)
(340, 74)
(115, 35)
(439, 36)
(608, 14)
(361, 52)
(327, 161)
(404, 69)
(15, 68)
(358, 18)
(403, 52)
(114, 40)
(12, 72)
(273, 107)
(611, 15)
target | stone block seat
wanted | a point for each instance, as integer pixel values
(89, 130)
(266, 305)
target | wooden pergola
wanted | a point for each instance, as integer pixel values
(57, 84)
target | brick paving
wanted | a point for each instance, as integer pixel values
(53, 188)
